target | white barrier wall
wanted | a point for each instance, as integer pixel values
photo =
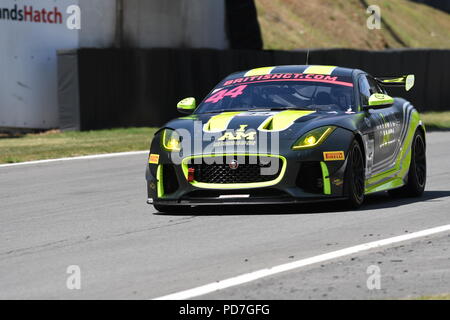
(175, 23)
(29, 38)
(98, 23)
(31, 32)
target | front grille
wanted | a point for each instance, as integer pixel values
(250, 169)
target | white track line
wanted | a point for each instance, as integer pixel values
(94, 156)
(252, 276)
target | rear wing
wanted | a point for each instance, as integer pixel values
(406, 81)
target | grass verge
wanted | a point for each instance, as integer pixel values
(436, 120)
(435, 297)
(55, 144)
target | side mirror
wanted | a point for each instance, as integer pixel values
(379, 100)
(187, 105)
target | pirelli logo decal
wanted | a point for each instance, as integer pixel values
(153, 159)
(333, 155)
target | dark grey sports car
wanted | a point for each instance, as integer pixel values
(289, 134)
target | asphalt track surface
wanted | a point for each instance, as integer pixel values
(93, 213)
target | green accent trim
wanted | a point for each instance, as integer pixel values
(321, 134)
(379, 99)
(325, 70)
(282, 120)
(387, 185)
(190, 117)
(219, 122)
(326, 178)
(184, 166)
(159, 181)
(187, 104)
(259, 71)
(383, 180)
(391, 179)
(380, 176)
(396, 80)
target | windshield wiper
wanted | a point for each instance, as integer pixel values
(286, 108)
(258, 109)
(224, 110)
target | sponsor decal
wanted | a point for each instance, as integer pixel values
(240, 138)
(153, 159)
(288, 77)
(333, 155)
(337, 182)
(240, 134)
(232, 93)
(30, 13)
(388, 125)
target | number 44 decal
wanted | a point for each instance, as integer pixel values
(232, 93)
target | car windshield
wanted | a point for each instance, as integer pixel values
(332, 96)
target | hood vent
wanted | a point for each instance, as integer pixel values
(283, 120)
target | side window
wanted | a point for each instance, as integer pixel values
(364, 90)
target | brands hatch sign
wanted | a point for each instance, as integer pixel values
(28, 13)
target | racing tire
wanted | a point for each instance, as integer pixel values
(354, 177)
(417, 174)
(171, 209)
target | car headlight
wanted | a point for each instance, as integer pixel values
(313, 138)
(170, 140)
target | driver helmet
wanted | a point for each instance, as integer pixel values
(340, 97)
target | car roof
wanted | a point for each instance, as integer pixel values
(314, 69)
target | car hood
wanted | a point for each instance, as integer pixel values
(288, 124)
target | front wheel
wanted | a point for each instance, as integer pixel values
(354, 176)
(417, 174)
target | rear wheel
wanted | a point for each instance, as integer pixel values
(354, 176)
(417, 174)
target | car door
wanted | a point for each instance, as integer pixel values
(384, 128)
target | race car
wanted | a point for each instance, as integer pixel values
(289, 135)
